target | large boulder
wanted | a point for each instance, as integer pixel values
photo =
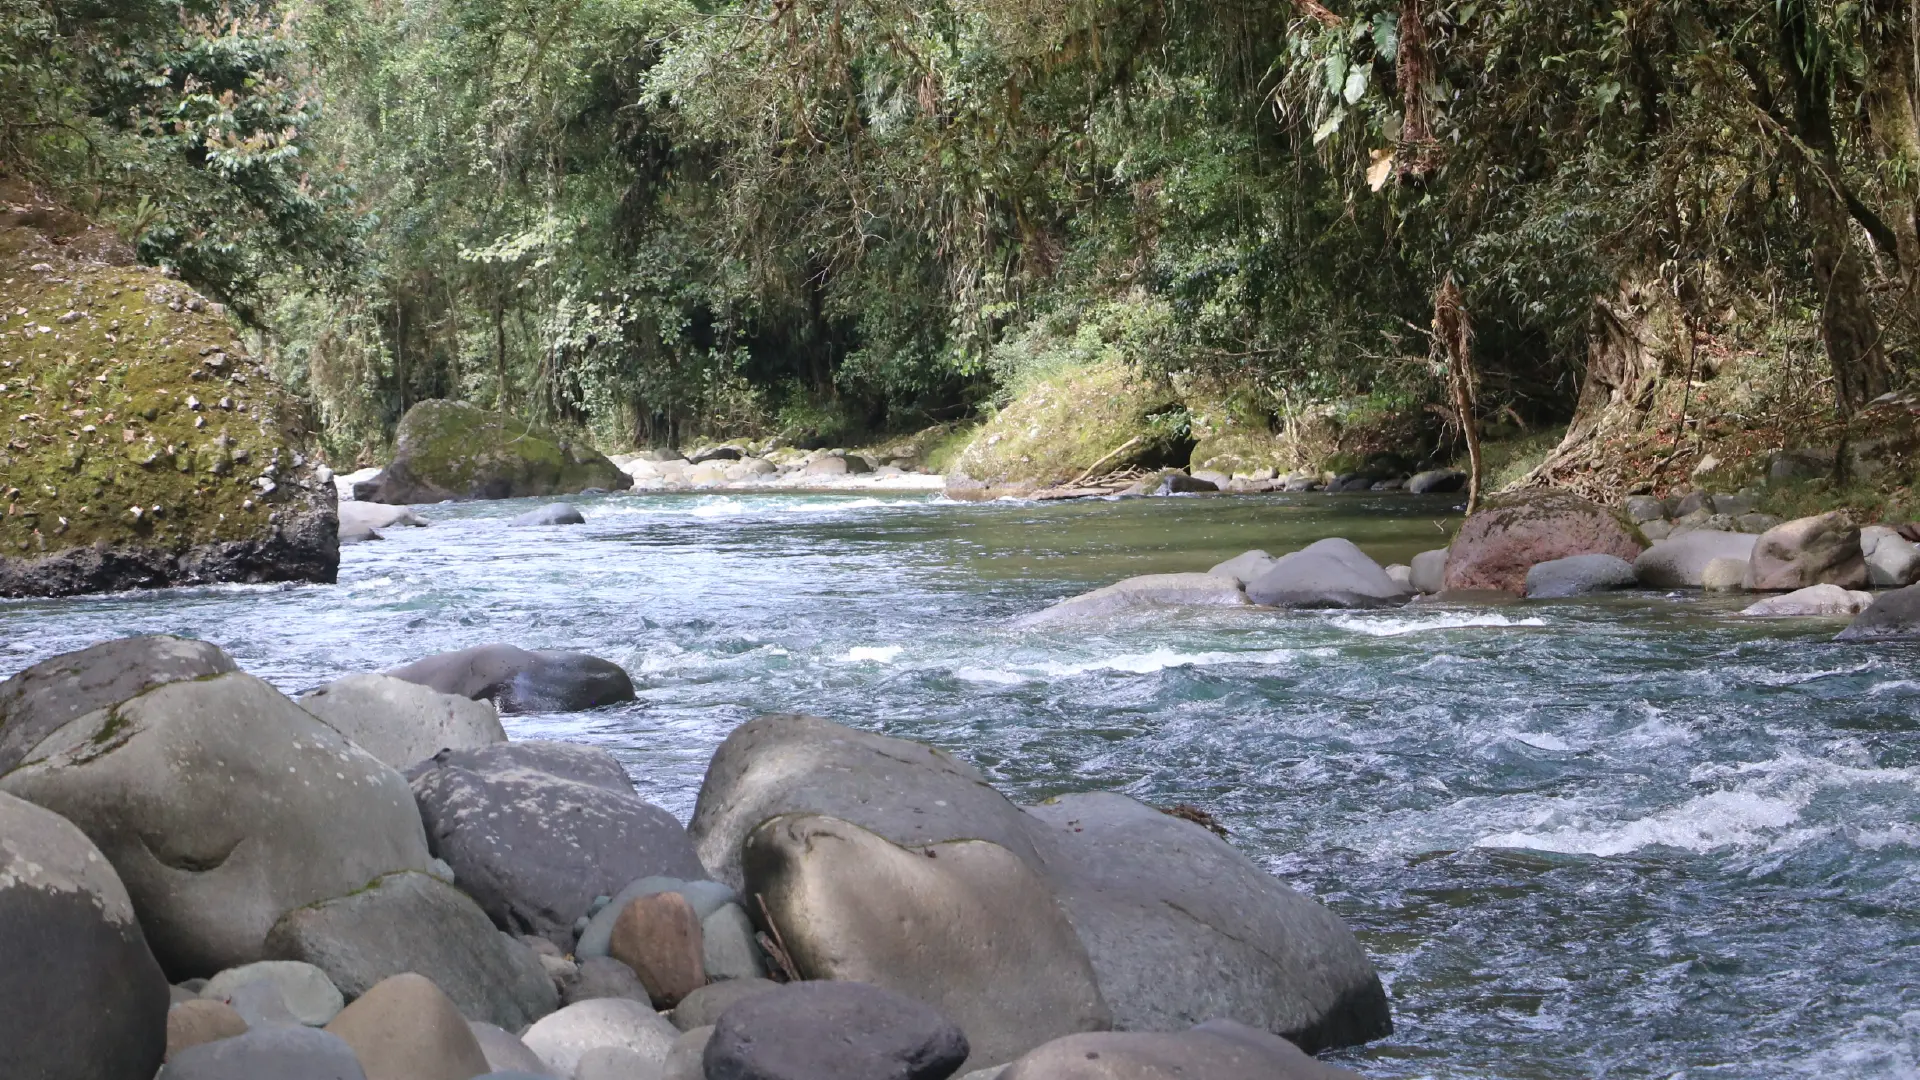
(1094, 419)
(843, 1030)
(1151, 591)
(402, 722)
(1497, 546)
(453, 450)
(965, 926)
(1330, 573)
(1681, 561)
(142, 446)
(40, 700)
(1821, 550)
(1892, 560)
(1244, 567)
(279, 1052)
(81, 997)
(404, 1028)
(521, 680)
(223, 805)
(1893, 614)
(1437, 482)
(1579, 575)
(1183, 928)
(415, 922)
(535, 847)
(907, 792)
(1428, 572)
(1217, 1050)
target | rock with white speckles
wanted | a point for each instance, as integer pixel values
(223, 805)
(412, 922)
(38, 701)
(81, 997)
(535, 848)
(402, 723)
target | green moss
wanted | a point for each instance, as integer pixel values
(944, 452)
(1505, 462)
(124, 389)
(1105, 416)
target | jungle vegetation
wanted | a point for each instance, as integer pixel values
(658, 218)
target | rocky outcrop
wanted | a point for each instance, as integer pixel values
(1150, 591)
(965, 926)
(1182, 928)
(535, 847)
(1497, 546)
(1330, 573)
(140, 445)
(186, 790)
(81, 997)
(520, 680)
(1095, 419)
(400, 722)
(1822, 550)
(453, 450)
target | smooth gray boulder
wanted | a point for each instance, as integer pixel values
(1148, 592)
(223, 805)
(402, 723)
(364, 517)
(269, 1053)
(728, 945)
(687, 1059)
(964, 926)
(578, 762)
(1813, 602)
(1437, 482)
(1680, 562)
(504, 1051)
(1245, 567)
(908, 792)
(412, 922)
(703, 1007)
(601, 977)
(562, 1039)
(523, 681)
(1183, 928)
(1819, 550)
(1579, 575)
(38, 701)
(550, 514)
(1330, 573)
(1893, 614)
(1644, 508)
(1218, 1050)
(302, 989)
(535, 848)
(1893, 562)
(1428, 572)
(81, 997)
(876, 1035)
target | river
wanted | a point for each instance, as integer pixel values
(1632, 837)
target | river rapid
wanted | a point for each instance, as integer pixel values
(1631, 837)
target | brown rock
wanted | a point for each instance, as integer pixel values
(1218, 1050)
(659, 937)
(201, 1020)
(1823, 550)
(1497, 546)
(404, 1028)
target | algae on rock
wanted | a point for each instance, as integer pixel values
(453, 450)
(140, 445)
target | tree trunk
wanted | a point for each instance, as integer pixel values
(1453, 340)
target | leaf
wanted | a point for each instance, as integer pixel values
(1336, 73)
(1330, 125)
(1386, 39)
(1356, 84)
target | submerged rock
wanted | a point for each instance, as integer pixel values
(520, 681)
(453, 450)
(1497, 546)
(84, 999)
(142, 446)
(551, 514)
(1153, 590)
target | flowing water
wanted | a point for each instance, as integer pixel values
(1637, 837)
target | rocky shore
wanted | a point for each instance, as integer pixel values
(203, 879)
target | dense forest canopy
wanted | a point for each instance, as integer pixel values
(658, 218)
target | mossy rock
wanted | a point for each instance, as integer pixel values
(1072, 423)
(140, 446)
(1235, 435)
(453, 450)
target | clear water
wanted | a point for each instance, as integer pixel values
(1637, 837)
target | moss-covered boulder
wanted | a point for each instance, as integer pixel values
(1234, 434)
(1100, 419)
(140, 446)
(453, 450)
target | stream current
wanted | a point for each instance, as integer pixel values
(1631, 837)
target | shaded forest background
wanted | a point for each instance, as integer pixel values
(661, 219)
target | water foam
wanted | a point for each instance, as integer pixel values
(1375, 626)
(1146, 663)
(876, 654)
